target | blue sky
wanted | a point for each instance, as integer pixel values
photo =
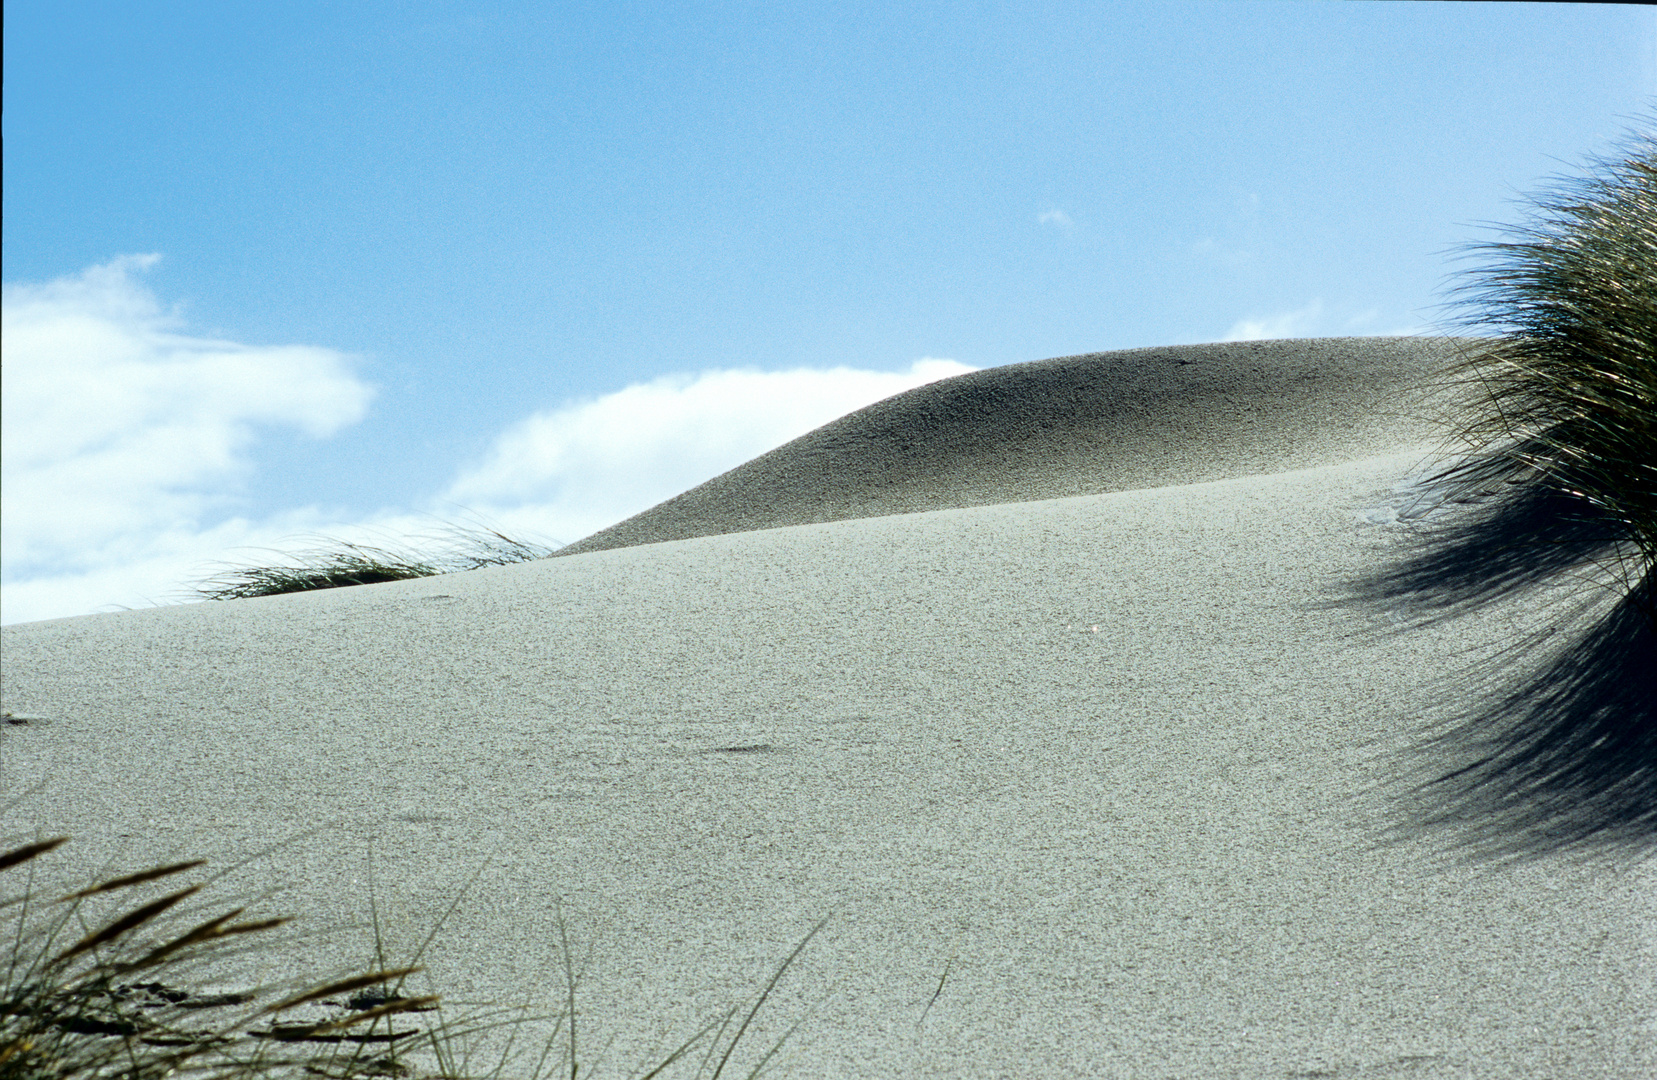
(275, 270)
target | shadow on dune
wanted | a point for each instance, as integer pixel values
(1549, 746)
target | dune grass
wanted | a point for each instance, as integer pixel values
(93, 991)
(339, 564)
(1565, 395)
(1552, 745)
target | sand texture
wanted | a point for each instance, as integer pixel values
(1043, 685)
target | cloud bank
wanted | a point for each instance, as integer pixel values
(1288, 324)
(123, 437)
(127, 444)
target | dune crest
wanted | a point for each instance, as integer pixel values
(1072, 425)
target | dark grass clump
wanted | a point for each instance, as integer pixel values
(346, 564)
(88, 992)
(1567, 395)
(106, 982)
(1554, 496)
(340, 564)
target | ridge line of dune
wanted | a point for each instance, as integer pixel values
(1072, 425)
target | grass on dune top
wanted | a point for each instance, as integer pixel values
(339, 564)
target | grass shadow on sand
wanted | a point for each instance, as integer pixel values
(1552, 744)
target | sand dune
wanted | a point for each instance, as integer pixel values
(1073, 425)
(1044, 686)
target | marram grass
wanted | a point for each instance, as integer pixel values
(1565, 394)
(1551, 745)
(95, 989)
(339, 564)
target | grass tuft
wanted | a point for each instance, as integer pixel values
(1551, 745)
(339, 564)
(1565, 396)
(77, 1012)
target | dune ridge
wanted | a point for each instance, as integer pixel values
(1073, 425)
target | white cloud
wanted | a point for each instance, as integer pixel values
(121, 435)
(126, 443)
(1054, 217)
(1299, 323)
(569, 472)
(1368, 324)
(1311, 321)
(145, 569)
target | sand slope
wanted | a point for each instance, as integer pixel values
(1072, 425)
(1103, 766)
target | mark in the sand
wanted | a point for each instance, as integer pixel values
(1408, 1064)
(756, 748)
(152, 995)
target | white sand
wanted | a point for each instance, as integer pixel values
(1107, 760)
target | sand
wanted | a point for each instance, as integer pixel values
(1042, 685)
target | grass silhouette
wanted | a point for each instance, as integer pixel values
(1565, 397)
(1552, 745)
(339, 564)
(112, 996)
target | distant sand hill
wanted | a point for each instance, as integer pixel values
(1073, 425)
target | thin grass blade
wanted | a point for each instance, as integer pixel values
(133, 879)
(29, 851)
(343, 986)
(128, 922)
